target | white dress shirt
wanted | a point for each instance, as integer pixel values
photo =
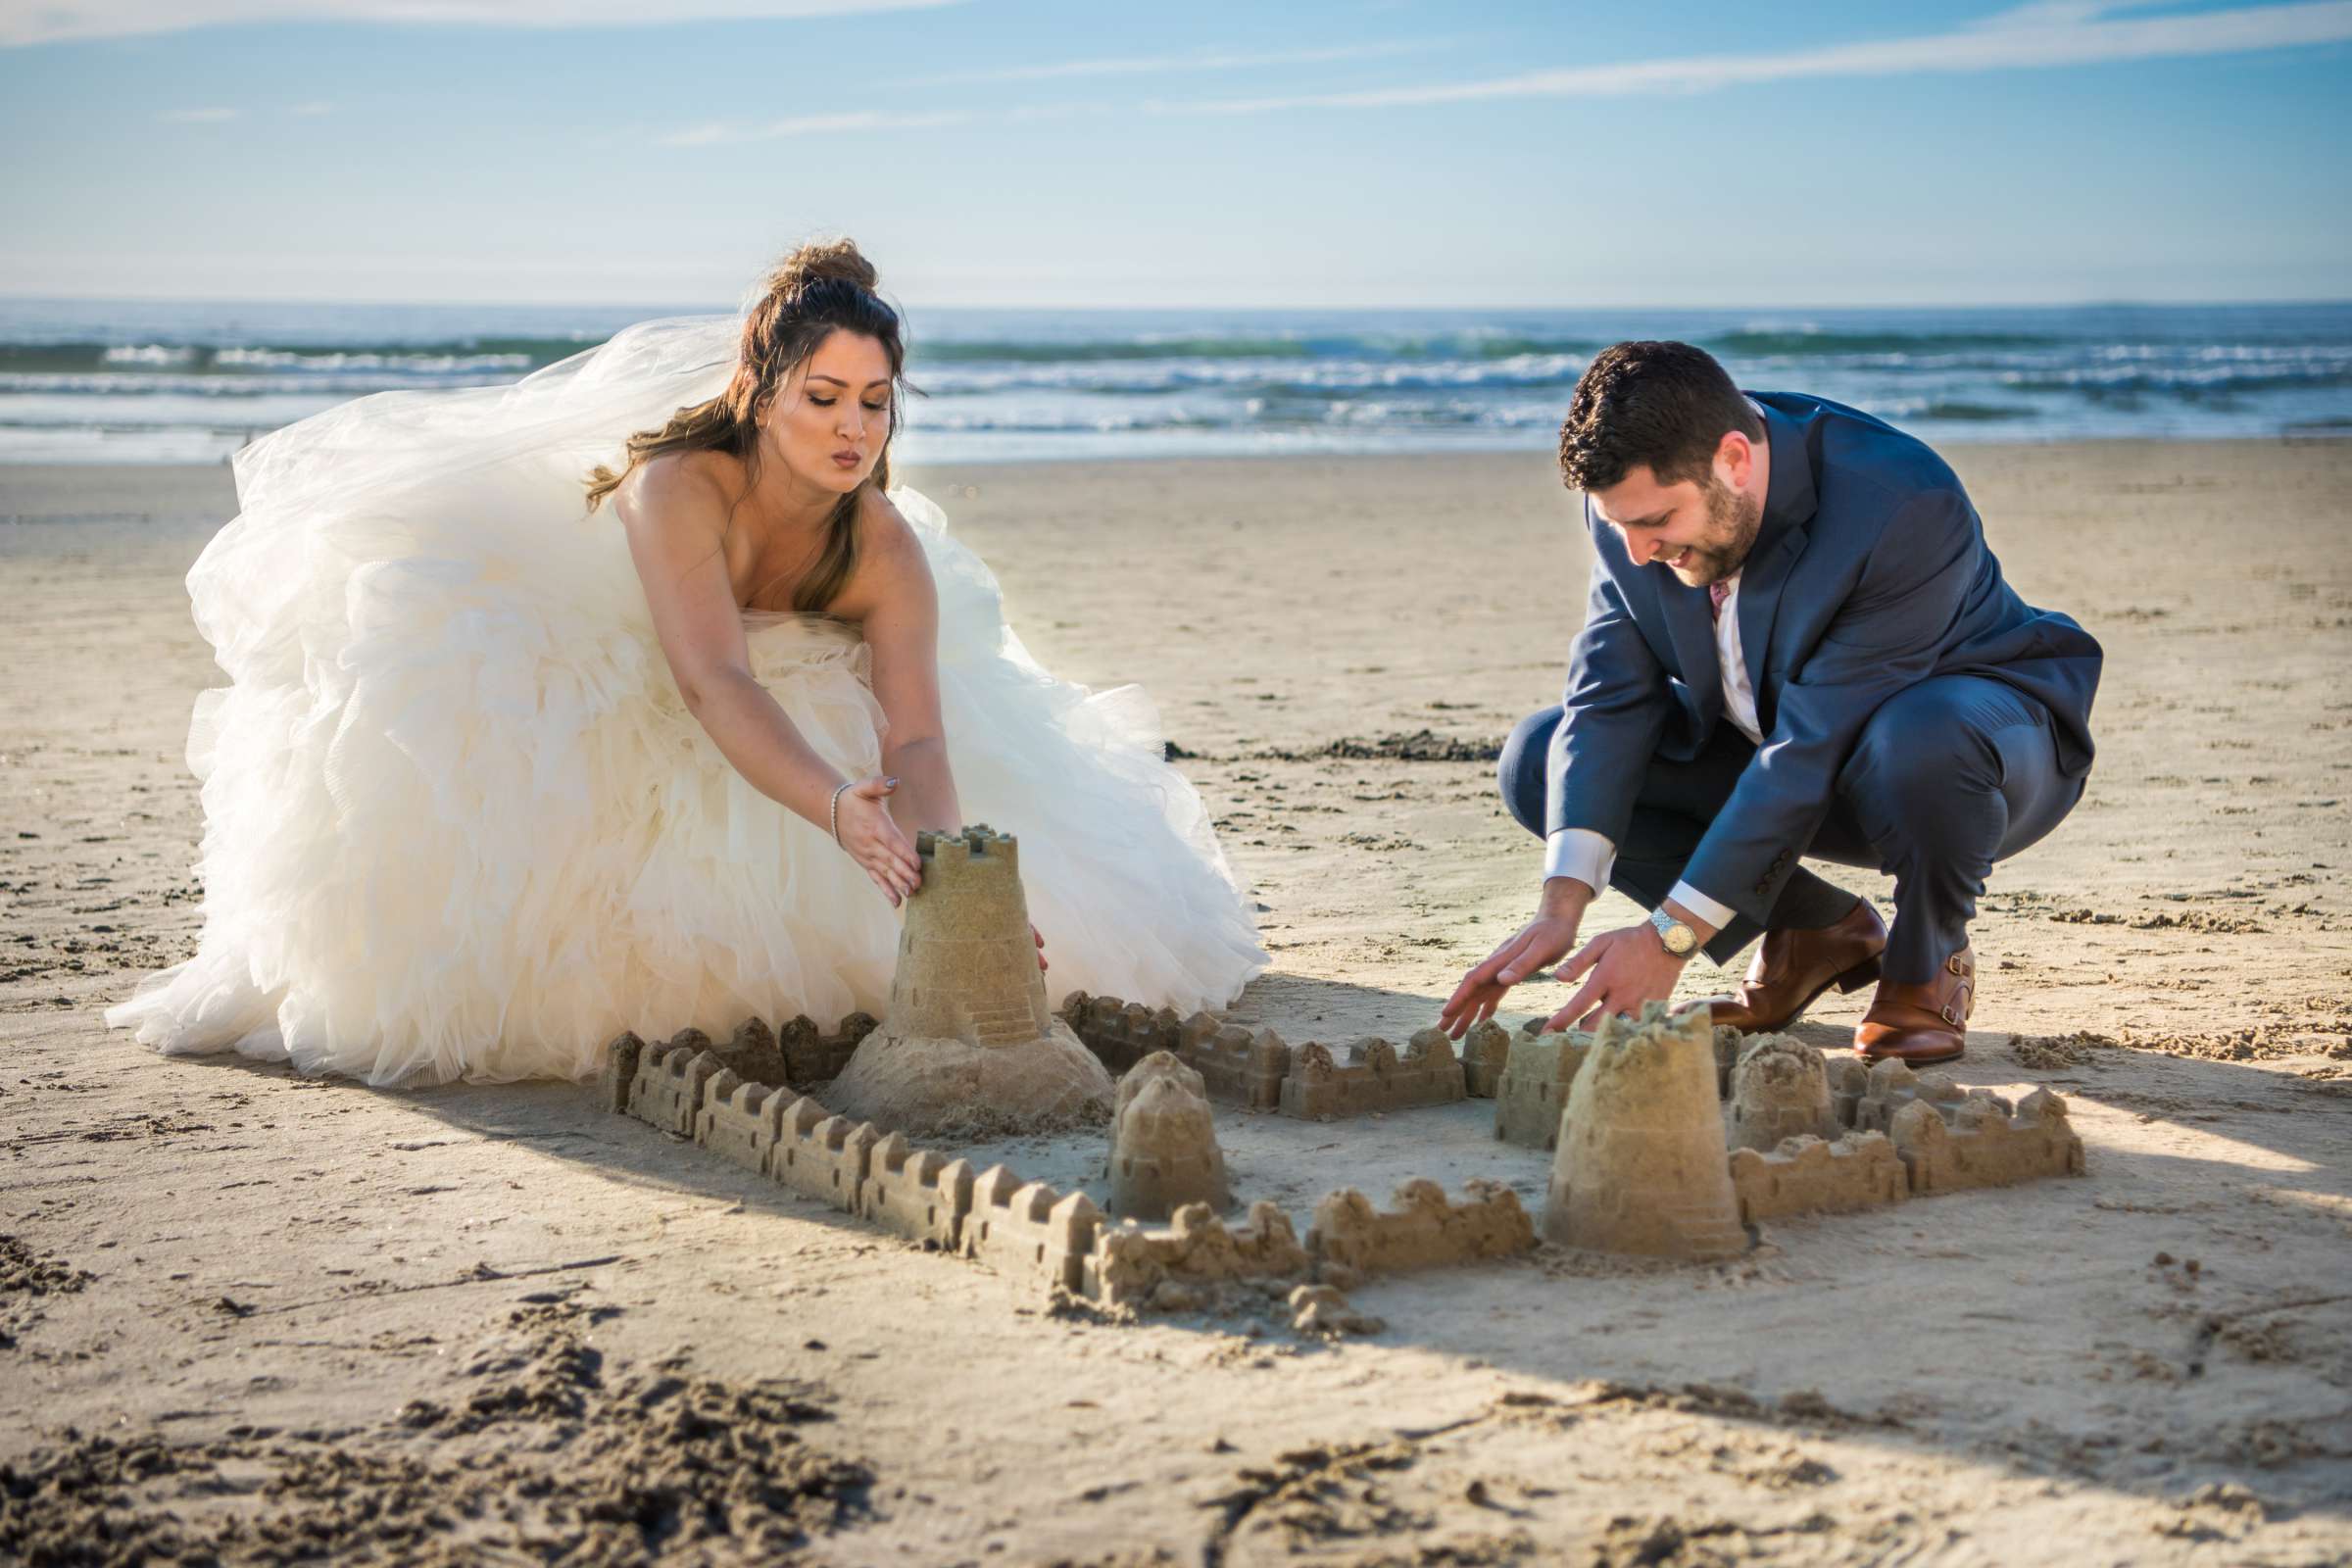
(1738, 697)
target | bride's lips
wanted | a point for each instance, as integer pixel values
(847, 460)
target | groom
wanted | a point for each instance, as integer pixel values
(1796, 643)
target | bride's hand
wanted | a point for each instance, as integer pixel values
(1039, 936)
(872, 838)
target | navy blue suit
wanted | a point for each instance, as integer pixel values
(1918, 716)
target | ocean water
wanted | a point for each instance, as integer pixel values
(162, 382)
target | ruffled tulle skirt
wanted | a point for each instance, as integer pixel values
(457, 821)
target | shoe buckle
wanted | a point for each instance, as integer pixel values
(1951, 1015)
(1955, 966)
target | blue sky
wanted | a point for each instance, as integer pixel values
(1321, 152)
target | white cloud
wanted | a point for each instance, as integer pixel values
(2054, 32)
(1027, 113)
(1144, 64)
(721, 133)
(28, 22)
(2044, 13)
(718, 133)
(309, 109)
(197, 116)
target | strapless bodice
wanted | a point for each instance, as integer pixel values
(781, 641)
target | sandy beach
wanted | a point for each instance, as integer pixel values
(282, 1319)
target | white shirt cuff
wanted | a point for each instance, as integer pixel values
(1715, 914)
(1581, 854)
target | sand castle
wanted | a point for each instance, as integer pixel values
(1792, 1099)
(1533, 1091)
(1849, 1081)
(1729, 1043)
(1891, 1085)
(1424, 1231)
(1121, 1034)
(1780, 1089)
(1895, 1135)
(1641, 1166)
(1669, 1137)
(1808, 1175)
(1254, 1068)
(1486, 1056)
(968, 1041)
(797, 1055)
(1060, 1240)
(1235, 1063)
(1163, 1145)
(1131, 1266)
(1984, 1144)
(1373, 1078)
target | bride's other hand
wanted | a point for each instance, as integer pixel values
(1039, 936)
(874, 840)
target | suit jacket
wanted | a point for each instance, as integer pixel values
(1869, 574)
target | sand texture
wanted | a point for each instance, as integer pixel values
(252, 1315)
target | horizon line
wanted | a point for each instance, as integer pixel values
(695, 307)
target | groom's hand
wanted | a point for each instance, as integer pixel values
(1542, 941)
(1626, 968)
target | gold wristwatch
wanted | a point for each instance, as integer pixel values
(1675, 937)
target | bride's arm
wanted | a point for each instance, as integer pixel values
(898, 607)
(675, 518)
(893, 599)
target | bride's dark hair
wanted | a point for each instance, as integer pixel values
(817, 289)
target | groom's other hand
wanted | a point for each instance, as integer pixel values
(1626, 969)
(1543, 940)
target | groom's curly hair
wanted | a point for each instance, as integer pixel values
(1666, 406)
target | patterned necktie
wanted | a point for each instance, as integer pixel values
(1717, 592)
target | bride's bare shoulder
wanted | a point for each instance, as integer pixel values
(883, 529)
(890, 563)
(677, 491)
(886, 538)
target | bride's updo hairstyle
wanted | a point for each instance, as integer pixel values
(816, 290)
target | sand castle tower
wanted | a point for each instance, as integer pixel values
(1780, 1089)
(1641, 1165)
(1163, 1143)
(969, 1043)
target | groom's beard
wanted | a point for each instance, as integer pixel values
(1733, 521)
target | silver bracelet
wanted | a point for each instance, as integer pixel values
(833, 810)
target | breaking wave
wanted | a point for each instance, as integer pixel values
(166, 380)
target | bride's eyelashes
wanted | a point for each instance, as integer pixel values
(826, 403)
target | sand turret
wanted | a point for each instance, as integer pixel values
(1780, 1089)
(969, 1043)
(1641, 1166)
(1163, 1143)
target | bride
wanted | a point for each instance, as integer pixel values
(500, 772)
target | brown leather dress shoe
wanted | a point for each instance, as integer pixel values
(1794, 967)
(1921, 1023)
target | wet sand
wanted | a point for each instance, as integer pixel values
(247, 1311)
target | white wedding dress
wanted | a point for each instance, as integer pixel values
(458, 822)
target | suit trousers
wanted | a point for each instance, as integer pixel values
(1947, 777)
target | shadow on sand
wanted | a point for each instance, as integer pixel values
(1914, 1325)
